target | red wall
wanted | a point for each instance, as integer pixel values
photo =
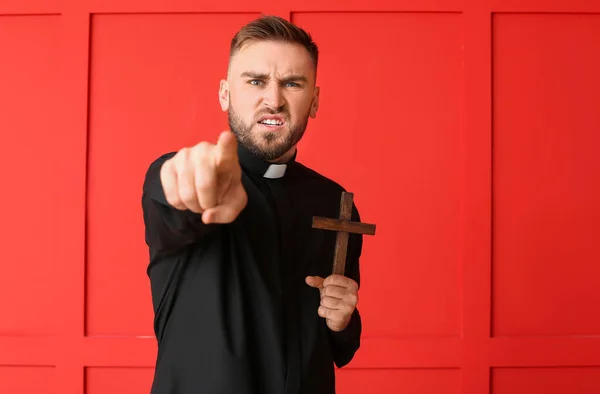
(468, 131)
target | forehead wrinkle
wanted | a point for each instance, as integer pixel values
(255, 57)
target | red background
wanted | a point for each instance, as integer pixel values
(468, 131)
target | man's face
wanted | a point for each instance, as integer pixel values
(269, 94)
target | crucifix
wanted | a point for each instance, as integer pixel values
(344, 226)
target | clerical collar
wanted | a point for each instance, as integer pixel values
(261, 167)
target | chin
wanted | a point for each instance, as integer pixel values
(266, 137)
(271, 146)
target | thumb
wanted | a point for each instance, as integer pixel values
(315, 281)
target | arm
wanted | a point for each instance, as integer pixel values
(166, 228)
(345, 343)
(189, 193)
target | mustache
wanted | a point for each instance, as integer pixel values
(278, 111)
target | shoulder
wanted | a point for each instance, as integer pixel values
(327, 188)
(319, 180)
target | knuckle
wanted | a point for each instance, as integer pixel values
(181, 156)
(203, 183)
(171, 199)
(332, 302)
(166, 167)
(186, 195)
(334, 280)
(167, 173)
(200, 151)
(322, 312)
(200, 147)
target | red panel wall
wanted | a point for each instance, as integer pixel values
(468, 131)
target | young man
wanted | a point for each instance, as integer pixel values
(244, 298)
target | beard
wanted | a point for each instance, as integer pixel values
(266, 145)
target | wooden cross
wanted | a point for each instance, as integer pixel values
(344, 226)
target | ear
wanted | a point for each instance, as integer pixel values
(224, 95)
(314, 106)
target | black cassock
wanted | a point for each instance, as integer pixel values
(233, 313)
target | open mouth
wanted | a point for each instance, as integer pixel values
(272, 121)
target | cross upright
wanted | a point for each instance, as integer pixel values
(344, 226)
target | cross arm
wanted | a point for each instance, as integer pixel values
(343, 225)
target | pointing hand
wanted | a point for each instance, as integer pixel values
(206, 179)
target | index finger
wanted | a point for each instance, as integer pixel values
(226, 149)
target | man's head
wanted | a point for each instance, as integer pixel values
(270, 90)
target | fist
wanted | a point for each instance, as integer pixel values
(339, 296)
(206, 179)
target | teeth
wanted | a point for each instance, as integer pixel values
(272, 122)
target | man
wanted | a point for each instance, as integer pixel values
(243, 295)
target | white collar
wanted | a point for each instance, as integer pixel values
(275, 171)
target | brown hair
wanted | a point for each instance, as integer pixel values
(274, 28)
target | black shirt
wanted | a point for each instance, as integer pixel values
(233, 313)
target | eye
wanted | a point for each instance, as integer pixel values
(255, 82)
(292, 84)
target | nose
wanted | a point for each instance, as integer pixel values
(273, 97)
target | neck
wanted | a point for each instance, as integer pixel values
(286, 157)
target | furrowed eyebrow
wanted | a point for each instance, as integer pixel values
(294, 77)
(288, 78)
(250, 74)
